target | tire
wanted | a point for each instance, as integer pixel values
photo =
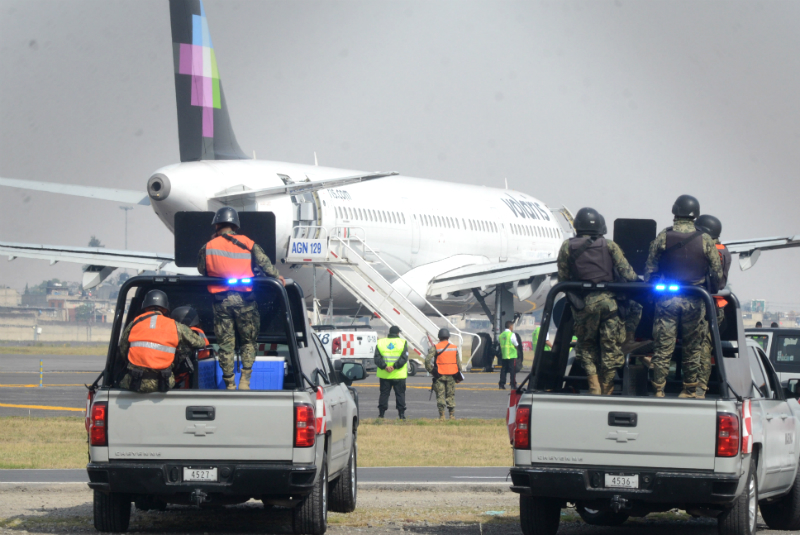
(539, 516)
(742, 517)
(112, 512)
(412, 368)
(594, 517)
(784, 513)
(344, 491)
(311, 516)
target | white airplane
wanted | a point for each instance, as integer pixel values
(440, 251)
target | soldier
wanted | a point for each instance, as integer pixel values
(444, 362)
(713, 227)
(681, 254)
(149, 345)
(508, 355)
(183, 366)
(391, 358)
(600, 330)
(232, 256)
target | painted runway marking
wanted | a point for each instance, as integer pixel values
(36, 386)
(42, 407)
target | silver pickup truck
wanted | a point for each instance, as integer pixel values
(630, 454)
(289, 441)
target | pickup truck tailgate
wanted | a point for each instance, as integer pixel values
(678, 433)
(257, 426)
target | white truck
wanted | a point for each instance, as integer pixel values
(292, 445)
(629, 454)
(354, 343)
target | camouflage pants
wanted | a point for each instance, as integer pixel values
(690, 313)
(705, 363)
(445, 388)
(633, 317)
(147, 386)
(232, 315)
(600, 333)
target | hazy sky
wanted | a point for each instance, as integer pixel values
(618, 105)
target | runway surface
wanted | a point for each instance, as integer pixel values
(64, 394)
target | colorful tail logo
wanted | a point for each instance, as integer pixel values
(204, 127)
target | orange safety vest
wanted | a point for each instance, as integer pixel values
(204, 353)
(153, 341)
(227, 260)
(447, 361)
(721, 301)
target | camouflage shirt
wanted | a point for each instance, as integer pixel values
(260, 258)
(686, 226)
(187, 338)
(432, 353)
(617, 257)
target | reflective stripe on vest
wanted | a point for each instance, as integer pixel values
(229, 261)
(507, 349)
(153, 343)
(391, 349)
(447, 361)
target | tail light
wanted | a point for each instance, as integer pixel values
(305, 426)
(98, 425)
(727, 435)
(522, 432)
(747, 428)
(320, 412)
(336, 346)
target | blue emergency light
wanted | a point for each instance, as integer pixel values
(239, 281)
(671, 287)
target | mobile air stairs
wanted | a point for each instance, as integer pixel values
(344, 254)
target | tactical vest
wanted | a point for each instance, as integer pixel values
(153, 342)
(392, 349)
(594, 264)
(725, 259)
(227, 260)
(687, 263)
(507, 349)
(447, 359)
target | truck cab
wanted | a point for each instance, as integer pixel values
(782, 346)
(289, 441)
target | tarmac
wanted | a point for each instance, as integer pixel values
(63, 392)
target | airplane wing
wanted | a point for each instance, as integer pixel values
(125, 196)
(298, 188)
(100, 262)
(750, 250)
(483, 275)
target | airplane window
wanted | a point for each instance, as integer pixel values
(385, 216)
(483, 225)
(470, 225)
(458, 226)
(372, 215)
(360, 213)
(404, 218)
(338, 214)
(494, 226)
(440, 221)
(464, 221)
(394, 217)
(450, 222)
(349, 215)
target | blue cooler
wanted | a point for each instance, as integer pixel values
(268, 373)
(208, 377)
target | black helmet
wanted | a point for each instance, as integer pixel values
(603, 227)
(444, 334)
(156, 298)
(394, 330)
(228, 215)
(186, 315)
(589, 221)
(709, 224)
(686, 206)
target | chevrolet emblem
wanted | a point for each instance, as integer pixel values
(199, 430)
(622, 436)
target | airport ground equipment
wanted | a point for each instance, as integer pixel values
(782, 346)
(292, 446)
(630, 454)
(353, 343)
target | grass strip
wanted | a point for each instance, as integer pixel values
(57, 442)
(65, 349)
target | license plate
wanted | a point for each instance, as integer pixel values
(622, 481)
(200, 474)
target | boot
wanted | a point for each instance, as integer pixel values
(453, 414)
(381, 413)
(608, 388)
(502, 386)
(689, 390)
(659, 388)
(230, 382)
(594, 385)
(244, 380)
(700, 393)
(402, 415)
(441, 416)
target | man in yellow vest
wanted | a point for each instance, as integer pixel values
(391, 358)
(508, 354)
(444, 362)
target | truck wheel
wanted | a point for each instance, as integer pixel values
(345, 488)
(311, 516)
(539, 516)
(412, 368)
(784, 513)
(741, 518)
(112, 511)
(593, 517)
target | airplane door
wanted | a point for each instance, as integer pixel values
(414, 234)
(503, 243)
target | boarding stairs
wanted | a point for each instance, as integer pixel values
(348, 258)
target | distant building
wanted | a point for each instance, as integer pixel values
(9, 297)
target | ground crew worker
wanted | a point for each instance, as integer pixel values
(391, 358)
(681, 254)
(149, 344)
(508, 354)
(713, 227)
(547, 345)
(444, 362)
(600, 331)
(232, 256)
(183, 366)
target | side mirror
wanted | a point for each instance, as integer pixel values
(352, 371)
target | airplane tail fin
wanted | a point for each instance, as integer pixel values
(204, 127)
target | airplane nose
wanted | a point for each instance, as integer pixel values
(158, 187)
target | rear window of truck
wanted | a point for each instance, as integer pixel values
(787, 354)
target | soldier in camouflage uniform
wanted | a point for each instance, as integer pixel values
(684, 255)
(589, 257)
(235, 308)
(144, 379)
(444, 361)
